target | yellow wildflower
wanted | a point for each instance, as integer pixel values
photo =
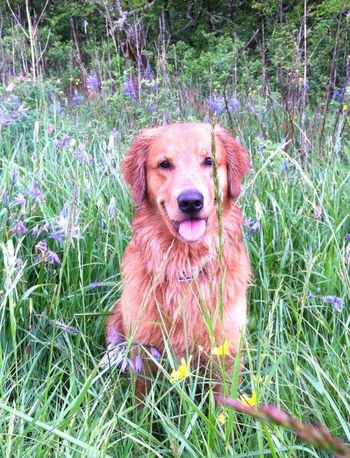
(71, 78)
(249, 401)
(221, 419)
(345, 107)
(182, 371)
(223, 349)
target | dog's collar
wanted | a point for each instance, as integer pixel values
(195, 271)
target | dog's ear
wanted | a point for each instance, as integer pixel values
(133, 166)
(237, 160)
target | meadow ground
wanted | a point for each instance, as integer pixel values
(64, 223)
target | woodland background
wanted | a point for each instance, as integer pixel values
(78, 81)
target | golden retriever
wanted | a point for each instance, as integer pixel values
(171, 268)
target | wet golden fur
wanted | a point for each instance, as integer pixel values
(156, 302)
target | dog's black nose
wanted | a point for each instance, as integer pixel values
(190, 202)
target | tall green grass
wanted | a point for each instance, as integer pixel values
(56, 401)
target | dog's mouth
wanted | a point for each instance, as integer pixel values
(190, 230)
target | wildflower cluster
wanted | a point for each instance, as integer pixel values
(92, 82)
(337, 302)
(118, 350)
(128, 88)
(11, 110)
(217, 104)
(75, 81)
(146, 95)
(64, 227)
(251, 226)
(342, 97)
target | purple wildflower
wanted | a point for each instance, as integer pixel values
(20, 200)
(79, 153)
(317, 212)
(153, 107)
(35, 192)
(216, 105)
(19, 228)
(149, 73)
(305, 86)
(90, 159)
(50, 129)
(14, 174)
(115, 356)
(77, 99)
(95, 284)
(51, 257)
(4, 119)
(338, 94)
(4, 197)
(128, 88)
(337, 302)
(41, 246)
(247, 222)
(58, 237)
(155, 353)
(36, 231)
(67, 226)
(114, 337)
(347, 236)
(233, 104)
(114, 132)
(92, 82)
(252, 226)
(65, 141)
(138, 364)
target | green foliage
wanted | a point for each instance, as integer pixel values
(53, 397)
(204, 45)
(212, 66)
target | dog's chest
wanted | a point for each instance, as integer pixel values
(187, 305)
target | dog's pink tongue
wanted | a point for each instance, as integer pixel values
(192, 229)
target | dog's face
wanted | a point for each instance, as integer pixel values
(172, 168)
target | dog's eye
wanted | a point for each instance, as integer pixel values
(164, 165)
(208, 161)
